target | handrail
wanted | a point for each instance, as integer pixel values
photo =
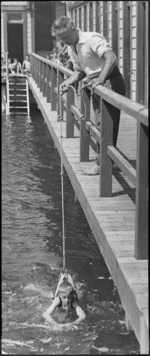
(136, 110)
(127, 105)
(49, 75)
(53, 64)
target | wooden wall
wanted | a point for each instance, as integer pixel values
(119, 23)
(45, 14)
(2, 34)
(29, 33)
(59, 9)
(43, 19)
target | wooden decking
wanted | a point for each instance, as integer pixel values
(112, 219)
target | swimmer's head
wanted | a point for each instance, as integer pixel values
(66, 293)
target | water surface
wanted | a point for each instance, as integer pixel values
(32, 253)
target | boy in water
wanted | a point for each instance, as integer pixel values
(66, 299)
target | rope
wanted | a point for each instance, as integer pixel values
(62, 170)
(62, 177)
(82, 87)
(62, 187)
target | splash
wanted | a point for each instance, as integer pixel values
(39, 289)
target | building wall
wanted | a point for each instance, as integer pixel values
(109, 9)
(120, 35)
(94, 15)
(29, 34)
(101, 17)
(59, 9)
(14, 3)
(2, 34)
(28, 9)
(13, 12)
(133, 51)
(105, 12)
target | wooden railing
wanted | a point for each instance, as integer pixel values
(48, 76)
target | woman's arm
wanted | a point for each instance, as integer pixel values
(49, 311)
(79, 311)
(59, 283)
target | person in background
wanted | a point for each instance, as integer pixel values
(93, 58)
(47, 56)
(16, 66)
(9, 66)
(26, 65)
(3, 66)
(2, 61)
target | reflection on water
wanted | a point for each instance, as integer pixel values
(32, 253)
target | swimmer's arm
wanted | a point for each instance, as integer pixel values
(79, 311)
(59, 283)
(49, 311)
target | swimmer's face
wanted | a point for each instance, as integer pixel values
(66, 300)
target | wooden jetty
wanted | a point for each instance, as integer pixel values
(115, 202)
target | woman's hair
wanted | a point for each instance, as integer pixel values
(62, 24)
(65, 287)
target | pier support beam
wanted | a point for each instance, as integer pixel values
(144, 337)
(128, 322)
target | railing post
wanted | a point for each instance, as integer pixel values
(60, 79)
(44, 79)
(48, 84)
(69, 114)
(32, 60)
(33, 69)
(7, 65)
(31, 66)
(53, 85)
(107, 116)
(39, 65)
(41, 75)
(36, 76)
(141, 223)
(84, 135)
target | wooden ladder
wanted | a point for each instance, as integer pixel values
(17, 95)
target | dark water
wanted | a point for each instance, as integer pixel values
(32, 253)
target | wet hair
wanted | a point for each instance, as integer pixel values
(62, 24)
(66, 288)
